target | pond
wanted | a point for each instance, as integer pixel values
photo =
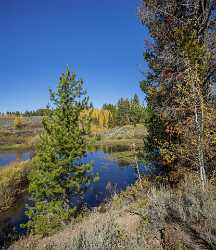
(114, 177)
(8, 157)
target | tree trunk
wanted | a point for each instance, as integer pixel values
(199, 120)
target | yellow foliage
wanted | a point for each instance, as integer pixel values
(101, 117)
(18, 122)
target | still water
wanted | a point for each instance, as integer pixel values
(8, 157)
(113, 178)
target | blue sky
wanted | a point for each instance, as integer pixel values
(102, 40)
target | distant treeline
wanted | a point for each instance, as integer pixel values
(37, 112)
(126, 111)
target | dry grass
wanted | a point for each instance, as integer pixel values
(20, 137)
(125, 132)
(188, 210)
(95, 232)
(125, 135)
(142, 217)
(13, 180)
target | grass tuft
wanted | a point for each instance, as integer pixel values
(13, 180)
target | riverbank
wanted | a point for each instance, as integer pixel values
(154, 213)
(114, 177)
(13, 188)
(117, 142)
(13, 182)
(23, 138)
(28, 136)
(148, 215)
(127, 135)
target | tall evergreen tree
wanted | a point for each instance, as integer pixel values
(182, 32)
(57, 174)
(136, 110)
(123, 112)
(135, 100)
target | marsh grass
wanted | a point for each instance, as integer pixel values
(125, 135)
(13, 181)
(21, 137)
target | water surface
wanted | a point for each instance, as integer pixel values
(113, 178)
(7, 157)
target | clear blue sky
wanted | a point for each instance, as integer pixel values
(102, 40)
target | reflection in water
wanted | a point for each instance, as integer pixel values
(113, 178)
(14, 156)
(112, 175)
(10, 221)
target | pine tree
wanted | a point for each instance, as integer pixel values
(136, 110)
(135, 100)
(57, 174)
(123, 112)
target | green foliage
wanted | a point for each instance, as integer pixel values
(57, 175)
(47, 217)
(137, 111)
(38, 112)
(155, 136)
(125, 112)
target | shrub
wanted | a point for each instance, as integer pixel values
(18, 122)
(189, 210)
(189, 205)
(97, 235)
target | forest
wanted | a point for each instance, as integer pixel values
(135, 174)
